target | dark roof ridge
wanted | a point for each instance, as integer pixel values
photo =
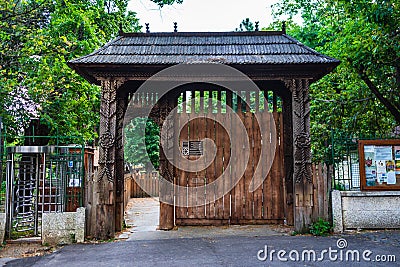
(232, 33)
(221, 44)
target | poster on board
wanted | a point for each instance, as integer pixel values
(383, 153)
(391, 177)
(397, 166)
(397, 159)
(397, 152)
(370, 165)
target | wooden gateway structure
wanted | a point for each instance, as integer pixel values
(279, 65)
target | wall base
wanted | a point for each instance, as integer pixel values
(366, 210)
(63, 228)
(2, 227)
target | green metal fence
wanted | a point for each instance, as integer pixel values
(41, 179)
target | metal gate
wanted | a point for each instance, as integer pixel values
(41, 179)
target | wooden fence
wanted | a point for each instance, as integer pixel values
(322, 187)
(146, 180)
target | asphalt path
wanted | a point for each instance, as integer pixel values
(232, 250)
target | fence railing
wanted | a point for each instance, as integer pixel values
(148, 180)
(322, 181)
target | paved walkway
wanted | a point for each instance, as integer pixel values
(142, 218)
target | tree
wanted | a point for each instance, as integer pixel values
(362, 96)
(246, 24)
(161, 3)
(37, 39)
(139, 149)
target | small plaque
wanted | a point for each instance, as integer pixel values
(192, 148)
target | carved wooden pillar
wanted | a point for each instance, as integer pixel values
(302, 172)
(122, 103)
(105, 189)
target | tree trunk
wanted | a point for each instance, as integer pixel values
(392, 108)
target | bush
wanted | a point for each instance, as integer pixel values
(321, 227)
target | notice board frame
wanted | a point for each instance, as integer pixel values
(363, 179)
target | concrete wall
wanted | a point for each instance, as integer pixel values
(365, 210)
(2, 226)
(64, 227)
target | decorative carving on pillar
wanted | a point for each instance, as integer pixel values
(301, 129)
(108, 128)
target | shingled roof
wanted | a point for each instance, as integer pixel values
(262, 55)
(263, 47)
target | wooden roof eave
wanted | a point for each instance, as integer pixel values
(258, 72)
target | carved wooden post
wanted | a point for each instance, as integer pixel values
(302, 172)
(122, 103)
(104, 216)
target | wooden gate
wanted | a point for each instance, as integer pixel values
(238, 206)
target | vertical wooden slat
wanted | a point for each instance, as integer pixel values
(256, 158)
(182, 211)
(240, 192)
(219, 135)
(315, 178)
(225, 118)
(249, 197)
(211, 169)
(157, 184)
(193, 210)
(320, 194)
(325, 191)
(201, 134)
(268, 185)
(229, 111)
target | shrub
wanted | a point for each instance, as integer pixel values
(321, 227)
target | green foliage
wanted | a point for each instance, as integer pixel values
(139, 148)
(2, 193)
(38, 37)
(339, 187)
(247, 25)
(364, 35)
(161, 3)
(321, 227)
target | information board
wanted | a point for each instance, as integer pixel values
(379, 164)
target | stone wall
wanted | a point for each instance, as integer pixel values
(365, 210)
(64, 227)
(2, 226)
